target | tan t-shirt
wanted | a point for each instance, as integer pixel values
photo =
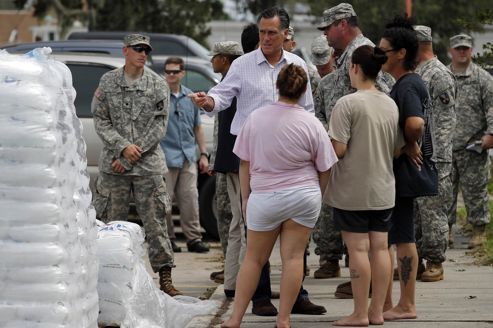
(367, 122)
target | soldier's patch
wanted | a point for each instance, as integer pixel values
(444, 98)
(98, 94)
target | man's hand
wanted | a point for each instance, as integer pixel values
(202, 100)
(117, 166)
(487, 141)
(413, 151)
(203, 164)
(132, 153)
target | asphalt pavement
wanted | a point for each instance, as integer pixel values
(463, 299)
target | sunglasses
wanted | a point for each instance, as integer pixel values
(170, 72)
(139, 49)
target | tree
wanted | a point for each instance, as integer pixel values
(442, 16)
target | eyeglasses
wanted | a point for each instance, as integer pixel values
(139, 49)
(170, 72)
(389, 50)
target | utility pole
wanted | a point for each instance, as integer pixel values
(409, 8)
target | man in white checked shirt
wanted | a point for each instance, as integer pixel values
(252, 80)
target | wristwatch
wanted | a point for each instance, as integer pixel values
(204, 154)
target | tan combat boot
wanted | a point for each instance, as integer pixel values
(329, 269)
(433, 272)
(165, 283)
(478, 236)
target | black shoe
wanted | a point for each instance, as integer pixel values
(304, 306)
(264, 308)
(197, 246)
(176, 248)
(230, 293)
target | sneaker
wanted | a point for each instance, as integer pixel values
(197, 246)
(176, 248)
(329, 269)
(218, 277)
(433, 272)
(230, 293)
(304, 306)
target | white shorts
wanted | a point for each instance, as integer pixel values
(268, 210)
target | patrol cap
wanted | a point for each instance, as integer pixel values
(342, 10)
(135, 39)
(321, 51)
(423, 33)
(227, 48)
(290, 33)
(461, 40)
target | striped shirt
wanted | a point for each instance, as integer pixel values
(252, 80)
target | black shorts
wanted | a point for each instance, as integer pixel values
(402, 228)
(362, 221)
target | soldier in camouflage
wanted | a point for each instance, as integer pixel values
(322, 56)
(431, 216)
(472, 138)
(341, 29)
(289, 45)
(130, 109)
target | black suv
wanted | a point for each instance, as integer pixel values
(162, 43)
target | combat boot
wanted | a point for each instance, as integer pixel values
(166, 284)
(478, 236)
(433, 272)
(329, 269)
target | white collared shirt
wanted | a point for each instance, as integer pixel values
(252, 80)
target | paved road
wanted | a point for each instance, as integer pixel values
(463, 299)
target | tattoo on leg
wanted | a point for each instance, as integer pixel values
(405, 268)
(353, 274)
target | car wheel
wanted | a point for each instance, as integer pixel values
(207, 206)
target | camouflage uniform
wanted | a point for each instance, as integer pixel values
(314, 78)
(474, 108)
(134, 114)
(332, 87)
(224, 215)
(431, 218)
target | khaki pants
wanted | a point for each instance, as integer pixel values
(237, 238)
(182, 184)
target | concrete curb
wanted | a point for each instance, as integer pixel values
(203, 321)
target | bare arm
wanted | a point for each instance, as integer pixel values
(200, 139)
(413, 130)
(339, 147)
(323, 178)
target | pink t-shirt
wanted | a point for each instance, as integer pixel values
(286, 147)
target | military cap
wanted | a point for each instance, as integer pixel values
(135, 39)
(321, 51)
(342, 10)
(290, 33)
(227, 48)
(423, 33)
(461, 40)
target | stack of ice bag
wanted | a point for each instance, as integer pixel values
(48, 265)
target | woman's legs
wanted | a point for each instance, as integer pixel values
(293, 241)
(388, 298)
(380, 268)
(358, 245)
(407, 264)
(258, 249)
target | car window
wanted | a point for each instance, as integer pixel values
(86, 78)
(197, 81)
(170, 47)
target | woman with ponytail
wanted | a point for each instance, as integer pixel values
(365, 135)
(285, 160)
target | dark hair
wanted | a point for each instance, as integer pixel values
(231, 58)
(352, 21)
(273, 12)
(249, 37)
(401, 35)
(292, 81)
(176, 61)
(370, 60)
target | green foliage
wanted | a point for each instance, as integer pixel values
(446, 18)
(187, 17)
